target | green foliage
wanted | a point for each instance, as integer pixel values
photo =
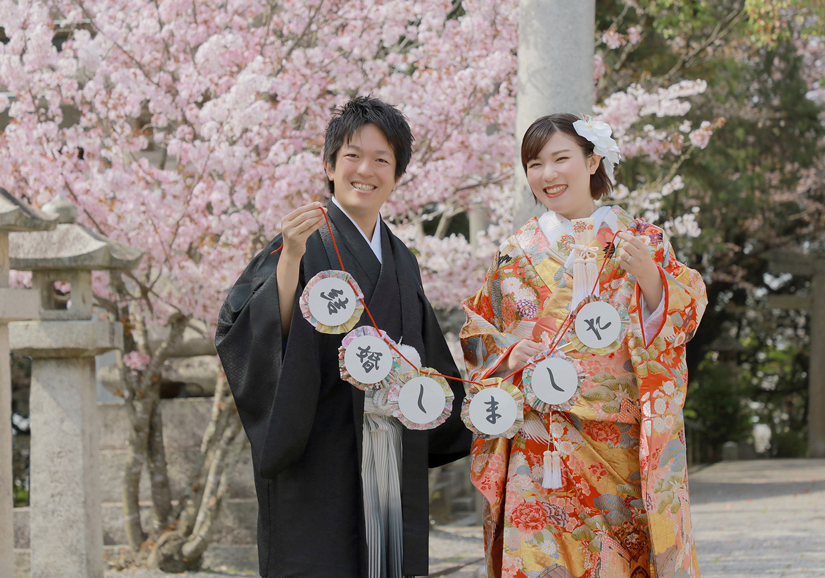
(776, 21)
(21, 496)
(744, 185)
(717, 400)
(776, 382)
(672, 18)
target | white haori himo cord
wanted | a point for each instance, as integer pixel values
(410, 353)
(585, 273)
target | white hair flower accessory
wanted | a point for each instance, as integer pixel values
(598, 133)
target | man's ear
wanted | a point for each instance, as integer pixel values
(593, 163)
(329, 170)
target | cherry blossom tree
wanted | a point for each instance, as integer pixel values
(189, 129)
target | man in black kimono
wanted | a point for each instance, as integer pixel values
(305, 423)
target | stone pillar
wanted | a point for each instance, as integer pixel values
(813, 266)
(15, 304)
(555, 74)
(816, 369)
(65, 523)
(478, 216)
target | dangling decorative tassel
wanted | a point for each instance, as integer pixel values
(552, 470)
(548, 470)
(552, 460)
(591, 267)
(585, 273)
(579, 270)
(580, 287)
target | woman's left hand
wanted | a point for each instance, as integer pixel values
(634, 257)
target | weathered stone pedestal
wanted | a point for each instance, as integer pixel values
(15, 304)
(65, 524)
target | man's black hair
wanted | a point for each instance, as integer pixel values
(362, 110)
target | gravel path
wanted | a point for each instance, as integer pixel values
(760, 519)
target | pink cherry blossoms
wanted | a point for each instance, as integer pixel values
(189, 129)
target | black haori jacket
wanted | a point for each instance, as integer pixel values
(305, 424)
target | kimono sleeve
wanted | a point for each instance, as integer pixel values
(685, 297)
(451, 440)
(661, 374)
(276, 399)
(483, 340)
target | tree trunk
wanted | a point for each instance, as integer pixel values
(158, 474)
(138, 442)
(146, 441)
(182, 548)
(224, 462)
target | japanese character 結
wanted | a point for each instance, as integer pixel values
(332, 301)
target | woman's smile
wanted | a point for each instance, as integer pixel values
(555, 190)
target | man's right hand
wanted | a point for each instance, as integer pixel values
(296, 228)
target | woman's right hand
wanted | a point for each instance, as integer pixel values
(297, 226)
(519, 356)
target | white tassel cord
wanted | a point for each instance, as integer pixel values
(552, 461)
(547, 481)
(585, 273)
(552, 470)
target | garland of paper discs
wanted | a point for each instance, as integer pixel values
(551, 381)
(419, 397)
(369, 359)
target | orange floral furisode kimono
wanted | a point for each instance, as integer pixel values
(623, 508)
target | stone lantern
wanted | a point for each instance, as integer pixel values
(65, 523)
(15, 305)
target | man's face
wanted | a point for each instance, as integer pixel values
(364, 174)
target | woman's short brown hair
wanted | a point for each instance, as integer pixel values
(543, 129)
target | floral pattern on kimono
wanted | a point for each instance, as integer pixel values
(623, 508)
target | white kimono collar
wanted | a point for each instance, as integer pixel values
(553, 224)
(375, 243)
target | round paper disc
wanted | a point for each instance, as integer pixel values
(598, 324)
(332, 301)
(368, 359)
(421, 399)
(493, 411)
(554, 380)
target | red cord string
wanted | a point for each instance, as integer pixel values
(571, 316)
(367, 309)
(555, 343)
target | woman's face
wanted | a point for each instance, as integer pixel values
(560, 177)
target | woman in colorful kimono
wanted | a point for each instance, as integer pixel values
(617, 505)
